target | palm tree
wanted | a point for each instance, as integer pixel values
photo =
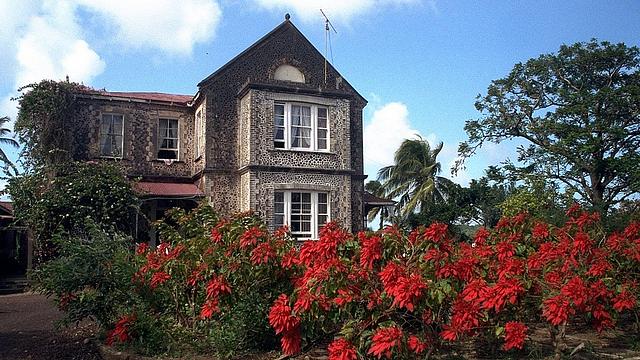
(413, 179)
(6, 140)
(376, 188)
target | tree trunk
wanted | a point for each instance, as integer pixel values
(557, 339)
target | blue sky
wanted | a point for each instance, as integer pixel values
(419, 63)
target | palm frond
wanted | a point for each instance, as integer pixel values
(9, 141)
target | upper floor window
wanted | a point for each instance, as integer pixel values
(111, 135)
(300, 127)
(304, 212)
(168, 139)
(198, 133)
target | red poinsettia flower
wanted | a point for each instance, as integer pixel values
(280, 316)
(291, 341)
(290, 259)
(576, 290)
(557, 309)
(436, 232)
(142, 248)
(540, 231)
(371, 250)
(262, 254)
(121, 331)
(159, 278)
(481, 236)
(384, 341)
(217, 286)
(416, 345)
(624, 301)
(250, 237)
(514, 335)
(209, 308)
(341, 349)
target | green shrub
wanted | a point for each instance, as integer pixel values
(91, 277)
(64, 197)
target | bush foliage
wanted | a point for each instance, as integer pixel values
(229, 286)
(78, 192)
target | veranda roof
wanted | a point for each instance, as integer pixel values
(167, 189)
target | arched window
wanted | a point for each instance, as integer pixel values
(288, 73)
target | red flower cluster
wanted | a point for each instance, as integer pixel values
(285, 323)
(251, 237)
(416, 345)
(514, 335)
(216, 287)
(159, 278)
(384, 340)
(262, 254)
(557, 310)
(370, 250)
(436, 232)
(121, 331)
(624, 301)
(209, 308)
(341, 349)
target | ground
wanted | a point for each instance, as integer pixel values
(28, 331)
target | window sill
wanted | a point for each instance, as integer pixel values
(173, 161)
(305, 151)
(102, 157)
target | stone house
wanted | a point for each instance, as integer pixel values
(276, 130)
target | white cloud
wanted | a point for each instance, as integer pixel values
(389, 126)
(49, 39)
(52, 49)
(169, 25)
(337, 10)
(43, 41)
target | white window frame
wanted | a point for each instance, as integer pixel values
(315, 214)
(161, 137)
(288, 139)
(100, 144)
(198, 132)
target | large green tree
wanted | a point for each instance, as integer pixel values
(413, 178)
(578, 113)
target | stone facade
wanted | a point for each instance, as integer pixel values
(227, 131)
(140, 143)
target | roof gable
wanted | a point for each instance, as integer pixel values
(284, 45)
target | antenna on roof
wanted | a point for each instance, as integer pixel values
(327, 42)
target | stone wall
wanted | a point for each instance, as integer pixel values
(256, 118)
(140, 142)
(238, 167)
(263, 184)
(231, 110)
(222, 191)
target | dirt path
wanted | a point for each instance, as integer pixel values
(27, 331)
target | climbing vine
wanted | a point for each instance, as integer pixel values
(48, 124)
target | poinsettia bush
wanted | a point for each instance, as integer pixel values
(392, 294)
(228, 286)
(207, 287)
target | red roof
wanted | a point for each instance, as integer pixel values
(7, 205)
(165, 189)
(150, 96)
(370, 199)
